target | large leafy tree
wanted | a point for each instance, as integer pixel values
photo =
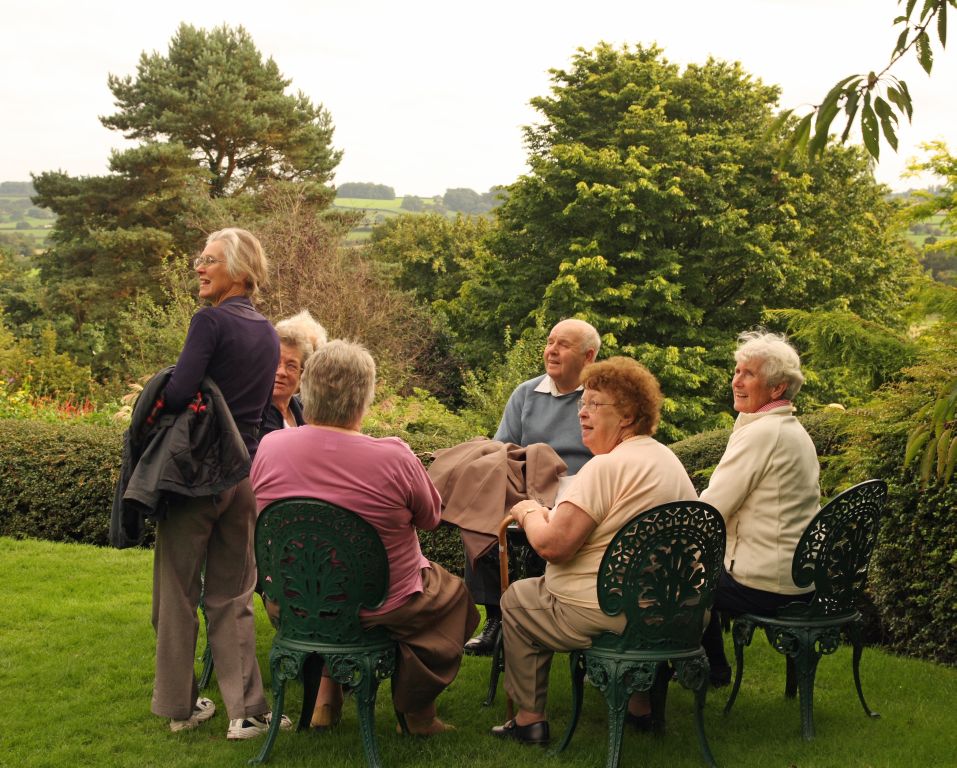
(214, 94)
(655, 209)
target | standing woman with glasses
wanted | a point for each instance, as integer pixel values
(630, 472)
(236, 347)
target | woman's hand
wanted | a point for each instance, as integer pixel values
(525, 507)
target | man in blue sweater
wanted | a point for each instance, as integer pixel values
(540, 410)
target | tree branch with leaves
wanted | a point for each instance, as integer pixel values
(875, 100)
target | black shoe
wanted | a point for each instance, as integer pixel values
(720, 677)
(484, 644)
(534, 733)
(640, 723)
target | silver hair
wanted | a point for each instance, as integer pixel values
(303, 333)
(780, 360)
(338, 384)
(244, 257)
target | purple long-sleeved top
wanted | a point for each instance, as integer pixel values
(238, 349)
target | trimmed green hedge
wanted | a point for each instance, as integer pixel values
(57, 483)
(57, 480)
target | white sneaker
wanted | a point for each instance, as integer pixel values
(251, 727)
(203, 709)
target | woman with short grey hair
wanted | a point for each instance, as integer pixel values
(427, 611)
(765, 487)
(299, 336)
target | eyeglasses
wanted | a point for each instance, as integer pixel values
(592, 406)
(291, 368)
(205, 261)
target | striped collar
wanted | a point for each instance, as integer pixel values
(774, 404)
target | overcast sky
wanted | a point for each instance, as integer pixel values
(428, 95)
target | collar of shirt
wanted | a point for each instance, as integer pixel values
(547, 385)
(774, 404)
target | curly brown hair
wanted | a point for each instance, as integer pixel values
(635, 389)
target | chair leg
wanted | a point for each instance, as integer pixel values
(365, 703)
(806, 668)
(854, 632)
(742, 632)
(279, 691)
(576, 661)
(498, 666)
(699, 701)
(617, 696)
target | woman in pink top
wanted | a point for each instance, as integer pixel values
(427, 610)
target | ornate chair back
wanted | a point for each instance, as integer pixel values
(661, 570)
(834, 553)
(323, 564)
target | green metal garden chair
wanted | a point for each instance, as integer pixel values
(833, 556)
(322, 564)
(660, 570)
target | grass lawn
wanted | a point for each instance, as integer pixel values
(76, 666)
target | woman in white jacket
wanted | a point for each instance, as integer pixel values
(765, 486)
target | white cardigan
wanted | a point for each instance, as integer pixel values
(766, 489)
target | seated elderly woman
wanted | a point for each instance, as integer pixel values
(629, 473)
(765, 487)
(427, 610)
(299, 336)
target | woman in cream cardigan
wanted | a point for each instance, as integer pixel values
(765, 486)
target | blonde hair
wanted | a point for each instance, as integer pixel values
(244, 258)
(338, 384)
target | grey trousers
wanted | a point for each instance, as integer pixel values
(534, 625)
(217, 530)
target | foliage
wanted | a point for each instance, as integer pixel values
(57, 479)
(914, 581)
(844, 357)
(151, 333)
(345, 290)
(36, 369)
(860, 96)
(421, 420)
(113, 237)
(464, 200)
(487, 392)
(213, 94)
(942, 201)
(433, 257)
(217, 131)
(656, 211)
(365, 190)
